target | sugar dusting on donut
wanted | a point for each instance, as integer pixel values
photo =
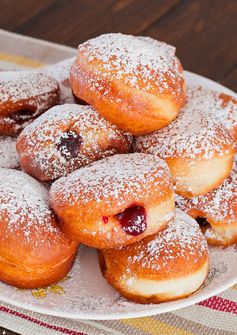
(195, 133)
(181, 238)
(219, 204)
(126, 174)
(61, 72)
(8, 154)
(28, 92)
(222, 106)
(134, 59)
(50, 128)
(24, 201)
(23, 85)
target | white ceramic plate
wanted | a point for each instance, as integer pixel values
(86, 295)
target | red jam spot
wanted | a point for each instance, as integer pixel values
(133, 220)
(69, 145)
(105, 219)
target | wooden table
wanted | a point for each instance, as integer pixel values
(203, 31)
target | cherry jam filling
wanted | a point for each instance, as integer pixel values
(22, 116)
(105, 219)
(69, 145)
(133, 220)
(202, 222)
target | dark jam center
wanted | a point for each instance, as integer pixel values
(202, 222)
(22, 115)
(69, 145)
(133, 220)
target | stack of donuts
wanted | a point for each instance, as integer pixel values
(111, 149)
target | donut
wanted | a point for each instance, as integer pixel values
(23, 97)
(221, 105)
(66, 138)
(218, 208)
(8, 154)
(115, 201)
(134, 82)
(197, 147)
(169, 265)
(33, 250)
(61, 72)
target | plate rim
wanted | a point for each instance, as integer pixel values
(118, 316)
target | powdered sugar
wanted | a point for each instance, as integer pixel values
(141, 62)
(24, 206)
(219, 204)
(61, 72)
(181, 239)
(99, 139)
(195, 134)
(106, 180)
(24, 85)
(8, 154)
(222, 106)
(23, 91)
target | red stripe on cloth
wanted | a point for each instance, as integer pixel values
(39, 322)
(220, 304)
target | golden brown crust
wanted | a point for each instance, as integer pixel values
(194, 142)
(110, 235)
(88, 200)
(24, 96)
(177, 252)
(28, 277)
(34, 252)
(219, 208)
(66, 138)
(196, 134)
(220, 105)
(150, 299)
(139, 99)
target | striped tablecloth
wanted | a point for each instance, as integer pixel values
(215, 316)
